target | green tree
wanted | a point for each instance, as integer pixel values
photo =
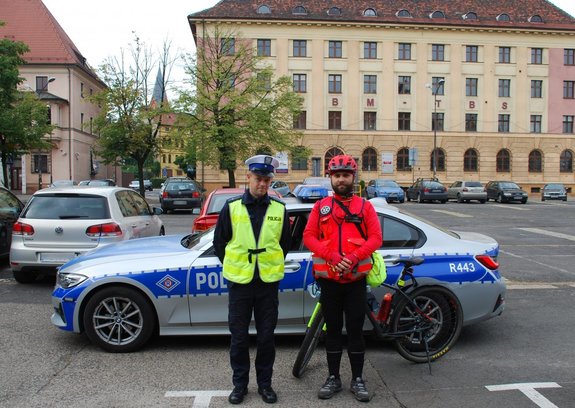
(133, 105)
(236, 105)
(23, 117)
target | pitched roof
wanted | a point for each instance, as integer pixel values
(520, 12)
(31, 22)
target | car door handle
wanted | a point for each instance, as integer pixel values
(291, 267)
(390, 259)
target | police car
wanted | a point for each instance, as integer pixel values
(121, 294)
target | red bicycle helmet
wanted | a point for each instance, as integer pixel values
(342, 162)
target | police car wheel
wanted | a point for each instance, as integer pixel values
(119, 319)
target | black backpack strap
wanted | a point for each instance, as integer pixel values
(346, 210)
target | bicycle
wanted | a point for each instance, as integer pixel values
(423, 321)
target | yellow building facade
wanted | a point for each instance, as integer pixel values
(496, 100)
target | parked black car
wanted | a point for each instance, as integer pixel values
(505, 192)
(554, 191)
(427, 190)
(182, 194)
(10, 209)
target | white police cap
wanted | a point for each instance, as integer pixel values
(262, 164)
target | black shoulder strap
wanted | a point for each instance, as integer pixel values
(346, 210)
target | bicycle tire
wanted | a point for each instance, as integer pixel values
(444, 308)
(309, 344)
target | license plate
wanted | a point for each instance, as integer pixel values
(57, 257)
(180, 202)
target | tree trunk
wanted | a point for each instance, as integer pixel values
(232, 178)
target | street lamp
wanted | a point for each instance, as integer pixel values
(434, 92)
(39, 92)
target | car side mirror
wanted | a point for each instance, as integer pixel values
(157, 210)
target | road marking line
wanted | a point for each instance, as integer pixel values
(521, 286)
(455, 214)
(512, 207)
(549, 233)
(202, 399)
(537, 262)
(529, 390)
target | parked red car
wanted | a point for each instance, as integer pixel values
(214, 204)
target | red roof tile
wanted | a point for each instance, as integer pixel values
(31, 22)
(519, 11)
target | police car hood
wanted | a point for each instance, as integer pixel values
(137, 250)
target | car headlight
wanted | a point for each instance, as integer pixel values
(69, 280)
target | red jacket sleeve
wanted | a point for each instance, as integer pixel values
(311, 234)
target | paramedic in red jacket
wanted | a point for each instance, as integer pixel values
(341, 261)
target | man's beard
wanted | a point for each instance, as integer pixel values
(343, 190)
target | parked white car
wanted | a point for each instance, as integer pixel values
(58, 224)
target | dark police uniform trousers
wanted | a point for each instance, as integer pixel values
(262, 298)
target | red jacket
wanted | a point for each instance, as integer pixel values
(327, 231)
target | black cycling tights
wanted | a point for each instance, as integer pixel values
(339, 300)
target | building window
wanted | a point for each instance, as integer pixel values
(264, 48)
(334, 49)
(568, 89)
(438, 85)
(228, 46)
(369, 12)
(300, 48)
(91, 125)
(535, 19)
(334, 11)
(471, 122)
(439, 160)
(502, 161)
(49, 115)
(404, 121)
(537, 56)
(566, 161)
(82, 121)
(299, 121)
(369, 84)
(404, 51)
(403, 160)
(568, 123)
(369, 50)
(299, 83)
(437, 52)
(503, 17)
(470, 160)
(536, 88)
(334, 120)
(535, 162)
(299, 10)
(471, 53)
(535, 124)
(504, 88)
(503, 123)
(437, 14)
(569, 56)
(264, 81)
(334, 83)
(369, 159)
(264, 10)
(437, 119)
(40, 163)
(369, 120)
(41, 83)
(404, 85)
(470, 16)
(505, 55)
(81, 89)
(299, 159)
(471, 86)
(403, 13)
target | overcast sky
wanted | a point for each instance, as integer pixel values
(101, 28)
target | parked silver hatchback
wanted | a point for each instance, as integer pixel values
(58, 224)
(465, 191)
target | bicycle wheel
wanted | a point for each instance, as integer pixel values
(309, 344)
(441, 332)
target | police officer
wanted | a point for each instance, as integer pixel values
(252, 238)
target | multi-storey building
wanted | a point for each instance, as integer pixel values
(489, 84)
(61, 76)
